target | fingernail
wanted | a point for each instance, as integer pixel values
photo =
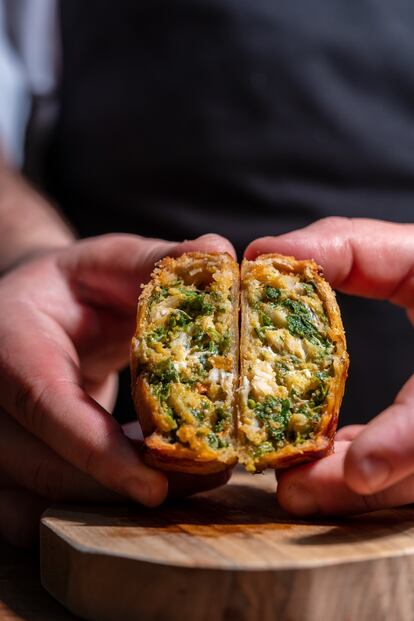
(300, 501)
(374, 471)
(209, 236)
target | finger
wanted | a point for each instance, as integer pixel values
(383, 453)
(109, 269)
(28, 463)
(181, 484)
(20, 513)
(363, 257)
(320, 489)
(44, 393)
(105, 274)
(349, 432)
(206, 243)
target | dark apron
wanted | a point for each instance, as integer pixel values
(247, 118)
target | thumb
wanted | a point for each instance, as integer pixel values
(206, 243)
(363, 257)
(115, 265)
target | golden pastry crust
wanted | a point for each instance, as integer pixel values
(276, 420)
(218, 274)
(263, 270)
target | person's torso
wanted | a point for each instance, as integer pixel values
(180, 117)
(177, 114)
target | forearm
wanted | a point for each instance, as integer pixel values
(29, 225)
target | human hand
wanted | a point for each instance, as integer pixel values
(373, 465)
(66, 321)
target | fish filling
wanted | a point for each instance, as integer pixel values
(188, 360)
(288, 365)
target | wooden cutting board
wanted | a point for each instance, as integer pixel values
(231, 555)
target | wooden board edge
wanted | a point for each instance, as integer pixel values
(103, 588)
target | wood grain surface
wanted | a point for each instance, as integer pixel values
(231, 555)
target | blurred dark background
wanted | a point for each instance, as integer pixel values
(246, 119)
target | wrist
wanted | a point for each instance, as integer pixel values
(29, 225)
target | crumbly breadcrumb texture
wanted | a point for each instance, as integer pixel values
(293, 363)
(185, 362)
(199, 413)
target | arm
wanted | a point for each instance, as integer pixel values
(373, 466)
(29, 225)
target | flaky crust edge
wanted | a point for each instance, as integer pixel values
(323, 443)
(157, 453)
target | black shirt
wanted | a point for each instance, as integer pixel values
(245, 118)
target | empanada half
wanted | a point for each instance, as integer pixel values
(184, 362)
(293, 363)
